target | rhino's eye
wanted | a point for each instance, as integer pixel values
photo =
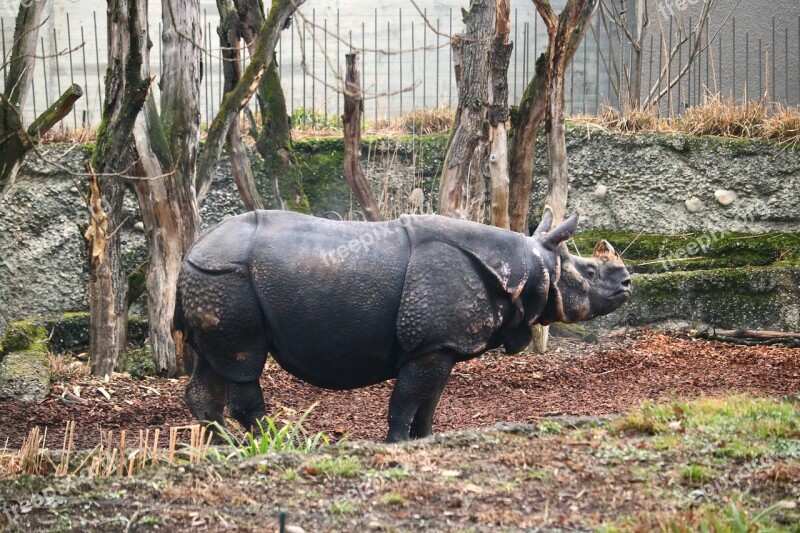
(591, 272)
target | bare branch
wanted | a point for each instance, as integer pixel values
(238, 98)
(60, 109)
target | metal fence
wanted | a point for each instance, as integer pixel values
(407, 62)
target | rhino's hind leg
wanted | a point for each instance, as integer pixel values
(205, 393)
(422, 425)
(419, 386)
(246, 404)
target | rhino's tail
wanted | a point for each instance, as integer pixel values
(179, 329)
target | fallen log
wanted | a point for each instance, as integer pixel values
(750, 337)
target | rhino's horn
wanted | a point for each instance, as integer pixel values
(562, 232)
(546, 222)
(604, 250)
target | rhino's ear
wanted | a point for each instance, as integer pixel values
(604, 250)
(561, 233)
(546, 222)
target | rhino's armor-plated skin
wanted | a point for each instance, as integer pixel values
(343, 305)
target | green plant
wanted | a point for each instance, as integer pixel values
(733, 519)
(273, 437)
(310, 119)
(695, 474)
(139, 362)
(342, 466)
(393, 498)
(343, 506)
(548, 427)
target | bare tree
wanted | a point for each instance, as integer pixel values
(231, 32)
(15, 140)
(565, 34)
(353, 107)
(262, 56)
(632, 23)
(162, 150)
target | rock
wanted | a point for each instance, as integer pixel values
(725, 197)
(416, 198)
(25, 376)
(600, 192)
(139, 226)
(694, 204)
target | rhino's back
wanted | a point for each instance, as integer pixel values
(226, 247)
(329, 290)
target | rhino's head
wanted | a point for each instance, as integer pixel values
(581, 288)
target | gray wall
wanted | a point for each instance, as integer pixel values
(423, 67)
(731, 64)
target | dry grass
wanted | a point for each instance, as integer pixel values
(725, 118)
(64, 367)
(69, 135)
(629, 120)
(783, 125)
(113, 456)
(753, 119)
(423, 121)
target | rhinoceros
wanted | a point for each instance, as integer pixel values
(343, 305)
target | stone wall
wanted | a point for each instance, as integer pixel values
(671, 183)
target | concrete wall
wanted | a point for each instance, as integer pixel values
(423, 68)
(734, 68)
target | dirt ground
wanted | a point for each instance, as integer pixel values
(575, 378)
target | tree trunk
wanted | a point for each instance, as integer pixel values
(125, 96)
(165, 205)
(522, 147)
(230, 36)
(565, 35)
(274, 139)
(465, 186)
(166, 151)
(499, 57)
(352, 141)
(525, 125)
(180, 104)
(274, 144)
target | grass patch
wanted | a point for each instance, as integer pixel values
(682, 478)
(738, 427)
(393, 498)
(335, 467)
(732, 518)
(342, 507)
(695, 474)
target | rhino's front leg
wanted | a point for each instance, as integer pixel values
(205, 393)
(419, 386)
(246, 404)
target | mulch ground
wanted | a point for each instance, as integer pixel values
(575, 378)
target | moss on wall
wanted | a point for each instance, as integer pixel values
(25, 376)
(320, 162)
(648, 253)
(68, 332)
(24, 336)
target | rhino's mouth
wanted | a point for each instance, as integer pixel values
(623, 293)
